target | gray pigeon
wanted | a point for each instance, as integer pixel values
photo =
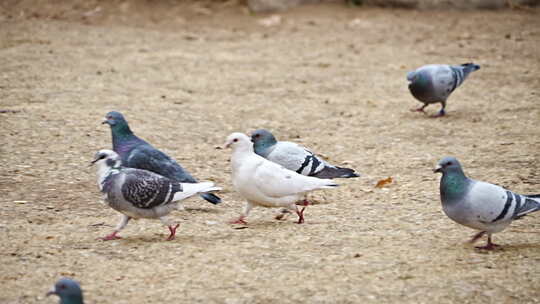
(68, 291)
(137, 153)
(435, 82)
(480, 205)
(137, 193)
(295, 157)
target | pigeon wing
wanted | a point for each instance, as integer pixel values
(274, 180)
(296, 158)
(144, 189)
(149, 158)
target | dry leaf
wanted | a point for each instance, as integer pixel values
(383, 182)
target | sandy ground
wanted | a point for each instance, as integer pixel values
(329, 77)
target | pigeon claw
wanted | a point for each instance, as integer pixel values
(110, 237)
(172, 229)
(239, 220)
(488, 246)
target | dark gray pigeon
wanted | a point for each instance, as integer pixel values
(68, 291)
(295, 157)
(480, 205)
(137, 153)
(137, 193)
(435, 82)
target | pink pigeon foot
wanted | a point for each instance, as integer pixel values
(239, 220)
(172, 229)
(421, 109)
(110, 237)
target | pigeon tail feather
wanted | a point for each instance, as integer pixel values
(531, 204)
(336, 172)
(189, 189)
(211, 198)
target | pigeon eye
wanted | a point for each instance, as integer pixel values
(448, 163)
(62, 286)
(235, 140)
(257, 135)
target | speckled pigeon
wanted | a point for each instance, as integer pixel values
(435, 82)
(295, 157)
(68, 291)
(137, 193)
(137, 153)
(480, 205)
(265, 183)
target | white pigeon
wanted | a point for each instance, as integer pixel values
(137, 193)
(265, 183)
(480, 205)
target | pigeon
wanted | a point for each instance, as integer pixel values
(295, 157)
(137, 153)
(137, 193)
(265, 183)
(480, 205)
(435, 82)
(68, 291)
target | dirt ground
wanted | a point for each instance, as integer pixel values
(330, 77)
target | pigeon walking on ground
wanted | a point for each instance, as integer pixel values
(137, 153)
(480, 205)
(68, 291)
(435, 82)
(265, 183)
(137, 193)
(295, 157)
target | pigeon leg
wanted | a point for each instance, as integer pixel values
(489, 246)
(121, 225)
(477, 236)
(172, 229)
(244, 214)
(441, 112)
(301, 212)
(421, 109)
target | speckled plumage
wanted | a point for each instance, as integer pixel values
(480, 205)
(137, 153)
(137, 193)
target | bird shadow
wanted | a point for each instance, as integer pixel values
(517, 247)
(201, 210)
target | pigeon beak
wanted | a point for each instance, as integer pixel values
(52, 291)
(437, 169)
(105, 122)
(93, 162)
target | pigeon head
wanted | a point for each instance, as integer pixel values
(117, 122)
(448, 164)
(262, 139)
(107, 158)
(238, 141)
(68, 290)
(471, 66)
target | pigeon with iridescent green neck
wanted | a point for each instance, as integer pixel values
(480, 205)
(435, 82)
(295, 157)
(137, 153)
(68, 291)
